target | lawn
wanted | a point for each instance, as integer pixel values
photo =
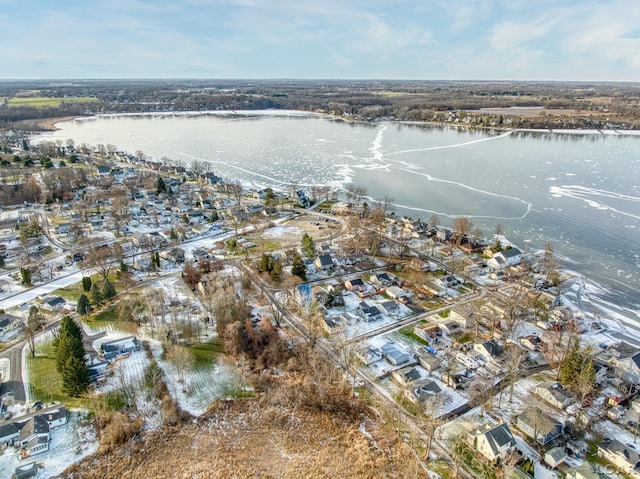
(408, 332)
(206, 353)
(46, 102)
(45, 383)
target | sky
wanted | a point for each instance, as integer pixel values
(594, 40)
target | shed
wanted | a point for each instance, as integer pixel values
(555, 456)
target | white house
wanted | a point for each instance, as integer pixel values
(506, 258)
(53, 303)
(624, 457)
(493, 441)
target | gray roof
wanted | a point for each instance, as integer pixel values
(631, 456)
(498, 437)
(35, 425)
(54, 300)
(493, 348)
(626, 350)
(511, 252)
(392, 351)
(9, 429)
(412, 374)
(427, 388)
(544, 424)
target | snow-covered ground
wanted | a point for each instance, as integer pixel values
(201, 386)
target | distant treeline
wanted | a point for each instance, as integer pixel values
(595, 105)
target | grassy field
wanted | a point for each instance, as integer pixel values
(45, 383)
(205, 353)
(45, 102)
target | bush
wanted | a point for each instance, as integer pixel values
(119, 429)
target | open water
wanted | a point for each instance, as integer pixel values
(579, 191)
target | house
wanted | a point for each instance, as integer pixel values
(394, 354)
(25, 471)
(555, 456)
(370, 313)
(176, 255)
(53, 303)
(490, 350)
(396, 292)
(503, 259)
(104, 170)
(423, 390)
(55, 417)
(382, 280)
(427, 331)
(622, 456)
(455, 380)
(63, 228)
(389, 307)
(356, 284)
(538, 425)
(35, 436)
(587, 471)
(616, 412)
(9, 432)
(406, 376)
(449, 281)
(627, 363)
(8, 322)
(450, 327)
(97, 369)
(370, 355)
(324, 262)
(428, 359)
(112, 349)
(533, 342)
(553, 394)
(494, 442)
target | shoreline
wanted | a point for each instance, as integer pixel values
(49, 124)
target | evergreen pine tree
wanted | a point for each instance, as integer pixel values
(70, 361)
(308, 246)
(161, 187)
(84, 305)
(86, 283)
(75, 376)
(298, 268)
(26, 276)
(264, 262)
(96, 295)
(276, 271)
(108, 290)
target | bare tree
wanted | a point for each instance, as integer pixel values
(432, 419)
(103, 259)
(476, 311)
(314, 323)
(513, 356)
(515, 309)
(462, 226)
(34, 324)
(183, 359)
